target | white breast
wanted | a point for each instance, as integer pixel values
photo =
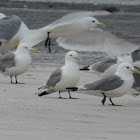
(23, 62)
(70, 77)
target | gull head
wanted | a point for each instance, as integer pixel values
(125, 58)
(126, 68)
(92, 22)
(72, 56)
(25, 48)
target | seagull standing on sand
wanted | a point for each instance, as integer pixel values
(115, 85)
(16, 63)
(107, 66)
(65, 77)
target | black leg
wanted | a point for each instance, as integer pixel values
(11, 79)
(49, 45)
(16, 79)
(111, 101)
(69, 94)
(104, 99)
(48, 42)
(59, 94)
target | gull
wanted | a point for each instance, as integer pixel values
(63, 78)
(108, 65)
(115, 85)
(75, 31)
(16, 63)
(13, 30)
(73, 24)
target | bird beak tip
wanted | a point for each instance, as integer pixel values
(136, 71)
(101, 24)
(78, 58)
(33, 50)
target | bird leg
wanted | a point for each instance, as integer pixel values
(69, 94)
(60, 94)
(48, 42)
(113, 103)
(11, 79)
(16, 79)
(104, 99)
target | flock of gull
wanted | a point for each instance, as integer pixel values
(76, 32)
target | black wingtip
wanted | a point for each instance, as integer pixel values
(43, 93)
(111, 8)
(72, 88)
(85, 68)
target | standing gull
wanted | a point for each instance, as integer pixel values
(16, 63)
(107, 66)
(65, 77)
(115, 85)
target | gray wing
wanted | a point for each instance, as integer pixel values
(9, 27)
(106, 84)
(7, 61)
(97, 40)
(104, 64)
(54, 79)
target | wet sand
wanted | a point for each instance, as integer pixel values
(24, 115)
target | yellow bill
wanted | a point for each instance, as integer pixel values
(136, 71)
(78, 58)
(16, 46)
(33, 50)
(101, 24)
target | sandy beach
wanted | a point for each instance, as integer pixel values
(24, 115)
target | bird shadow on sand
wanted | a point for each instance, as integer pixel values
(61, 98)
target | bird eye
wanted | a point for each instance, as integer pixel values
(127, 67)
(93, 21)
